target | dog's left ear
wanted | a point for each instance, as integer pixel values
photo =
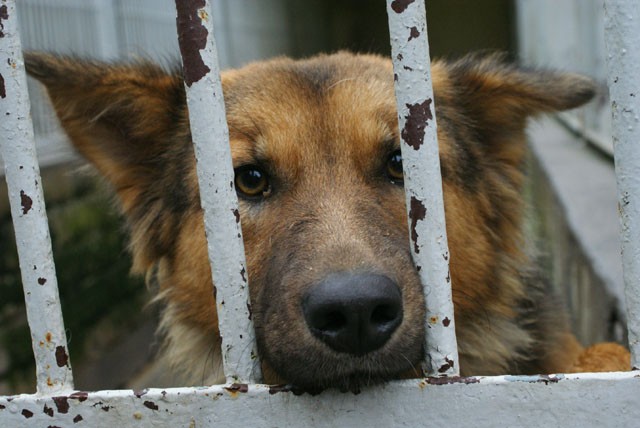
(130, 121)
(498, 97)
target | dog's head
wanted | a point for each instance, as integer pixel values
(335, 296)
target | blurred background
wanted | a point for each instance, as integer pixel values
(105, 314)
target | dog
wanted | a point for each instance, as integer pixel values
(336, 298)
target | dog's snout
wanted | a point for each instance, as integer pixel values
(353, 313)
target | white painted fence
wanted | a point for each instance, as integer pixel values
(609, 399)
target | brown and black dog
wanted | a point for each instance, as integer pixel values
(336, 299)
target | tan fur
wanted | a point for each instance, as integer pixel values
(322, 129)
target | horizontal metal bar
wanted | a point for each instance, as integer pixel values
(17, 147)
(622, 36)
(422, 179)
(217, 190)
(522, 401)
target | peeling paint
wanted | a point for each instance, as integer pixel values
(3, 90)
(62, 404)
(236, 388)
(400, 6)
(25, 202)
(80, 396)
(27, 413)
(449, 364)
(546, 379)
(413, 34)
(150, 405)
(4, 14)
(192, 38)
(446, 321)
(62, 359)
(47, 411)
(417, 212)
(448, 380)
(416, 121)
(77, 419)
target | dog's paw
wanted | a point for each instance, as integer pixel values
(603, 357)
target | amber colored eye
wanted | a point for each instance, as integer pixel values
(394, 167)
(252, 182)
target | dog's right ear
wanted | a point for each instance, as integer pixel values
(121, 117)
(130, 121)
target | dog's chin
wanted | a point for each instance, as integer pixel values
(352, 375)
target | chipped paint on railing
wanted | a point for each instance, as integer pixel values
(422, 178)
(218, 198)
(17, 148)
(523, 401)
(622, 31)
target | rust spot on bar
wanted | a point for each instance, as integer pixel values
(48, 337)
(150, 405)
(400, 6)
(417, 211)
(446, 380)
(42, 281)
(47, 411)
(3, 91)
(237, 214)
(77, 419)
(433, 320)
(62, 404)
(62, 359)
(446, 366)
(237, 387)
(414, 33)
(4, 14)
(250, 311)
(80, 396)
(192, 38)
(26, 202)
(446, 322)
(27, 413)
(416, 121)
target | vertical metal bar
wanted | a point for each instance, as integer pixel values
(422, 178)
(622, 37)
(217, 191)
(17, 147)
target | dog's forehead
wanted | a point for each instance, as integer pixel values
(338, 107)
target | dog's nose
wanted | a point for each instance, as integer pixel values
(353, 313)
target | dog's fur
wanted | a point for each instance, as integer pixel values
(322, 131)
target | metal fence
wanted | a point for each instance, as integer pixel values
(557, 400)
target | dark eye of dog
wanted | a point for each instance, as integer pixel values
(252, 182)
(394, 167)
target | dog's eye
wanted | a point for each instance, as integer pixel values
(394, 167)
(252, 182)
